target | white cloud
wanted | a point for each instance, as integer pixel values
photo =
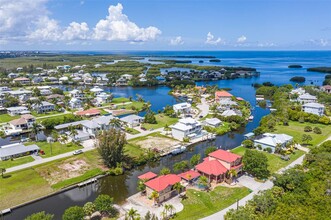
(267, 44)
(118, 27)
(46, 29)
(212, 40)
(319, 42)
(177, 41)
(76, 31)
(241, 39)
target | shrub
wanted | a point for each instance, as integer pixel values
(317, 130)
(248, 144)
(186, 139)
(268, 149)
(307, 129)
(73, 213)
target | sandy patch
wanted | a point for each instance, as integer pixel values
(70, 169)
(162, 144)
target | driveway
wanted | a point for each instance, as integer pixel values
(203, 107)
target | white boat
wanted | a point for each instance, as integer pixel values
(13, 132)
(251, 117)
(178, 150)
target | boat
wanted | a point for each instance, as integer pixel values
(251, 118)
(178, 150)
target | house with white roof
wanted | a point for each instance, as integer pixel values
(212, 122)
(44, 92)
(20, 92)
(76, 93)
(306, 98)
(299, 91)
(75, 103)
(269, 140)
(186, 128)
(313, 108)
(103, 98)
(17, 150)
(43, 107)
(96, 90)
(96, 125)
(182, 108)
(230, 112)
(132, 120)
(19, 110)
(4, 89)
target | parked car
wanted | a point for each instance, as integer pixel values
(76, 152)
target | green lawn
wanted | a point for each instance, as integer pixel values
(224, 128)
(35, 114)
(200, 204)
(162, 120)
(133, 150)
(6, 118)
(274, 160)
(57, 148)
(58, 117)
(296, 129)
(133, 106)
(120, 100)
(17, 161)
(131, 130)
(31, 183)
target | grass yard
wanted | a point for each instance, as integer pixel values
(57, 117)
(119, 100)
(162, 121)
(39, 181)
(6, 118)
(133, 150)
(200, 204)
(131, 130)
(17, 161)
(296, 129)
(274, 161)
(35, 114)
(57, 148)
(137, 106)
(224, 128)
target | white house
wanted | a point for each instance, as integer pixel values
(103, 98)
(212, 122)
(25, 122)
(182, 108)
(17, 110)
(272, 140)
(17, 150)
(75, 103)
(299, 91)
(186, 128)
(44, 92)
(96, 90)
(132, 120)
(76, 93)
(313, 108)
(43, 107)
(230, 112)
(306, 98)
(20, 92)
(4, 89)
(95, 125)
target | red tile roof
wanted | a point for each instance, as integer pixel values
(224, 155)
(147, 176)
(222, 93)
(21, 79)
(240, 99)
(327, 87)
(89, 112)
(191, 174)
(211, 167)
(162, 182)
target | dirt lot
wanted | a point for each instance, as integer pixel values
(159, 143)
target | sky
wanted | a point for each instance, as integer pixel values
(165, 25)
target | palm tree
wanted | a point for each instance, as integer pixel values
(2, 170)
(204, 181)
(155, 196)
(171, 208)
(63, 139)
(35, 130)
(55, 135)
(132, 214)
(115, 122)
(233, 173)
(73, 131)
(178, 187)
(167, 128)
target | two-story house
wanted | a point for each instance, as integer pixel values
(186, 128)
(43, 107)
(314, 108)
(25, 122)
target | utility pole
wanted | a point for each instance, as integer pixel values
(237, 204)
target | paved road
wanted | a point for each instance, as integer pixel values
(203, 107)
(256, 187)
(87, 147)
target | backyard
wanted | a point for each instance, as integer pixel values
(55, 148)
(274, 161)
(15, 162)
(200, 204)
(162, 121)
(296, 130)
(6, 118)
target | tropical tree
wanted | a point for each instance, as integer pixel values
(306, 138)
(141, 186)
(73, 213)
(2, 170)
(210, 150)
(171, 209)
(55, 135)
(89, 208)
(115, 123)
(63, 138)
(155, 196)
(178, 187)
(256, 163)
(104, 204)
(233, 174)
(181, 166)
(203, 181)
(40, 216)
(167, 128)
(35, 130)
(165, 171)
(132, 214)
(195, 159)
(73, 132)
(2, 134)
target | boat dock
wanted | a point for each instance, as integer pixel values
(93, 180)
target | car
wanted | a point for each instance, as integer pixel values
(78, 152)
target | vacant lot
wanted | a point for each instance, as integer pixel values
(16, 162)
(162, 121)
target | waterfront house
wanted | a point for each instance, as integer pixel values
(88, 113)
(147, 176)
(182, 108)
(19, 110)
(326, 88)
(132, 120)
(94, 126)
(298, 91)
(219, 95)
(17, 150)
(212, 122)
(96, 90)
(229, 160)
(103, 98)
(227, 102)
(22, 80)
(186, 128)
(314, 108)
(57, 97)
(230, 112)
(76, 93)
(75, 103)
(268, 140)
(163, 185)
(43, 107)
(63, 79)
(190, 176)
(24, 122)
(306, 98)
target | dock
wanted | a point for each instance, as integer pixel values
(5, 211)
(93, 180)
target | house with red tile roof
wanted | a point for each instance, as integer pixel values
(89, 112)
(227, 159)
(189, 176)
(163, 185)
(147, 176)
(21, 80)
(326, 88)
(222, 95)
(212, 169)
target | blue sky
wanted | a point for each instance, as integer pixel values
(165, 25)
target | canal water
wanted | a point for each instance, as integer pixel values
(273, 68)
